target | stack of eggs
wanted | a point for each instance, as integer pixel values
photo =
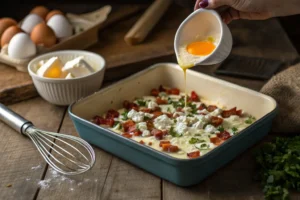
(40, 28)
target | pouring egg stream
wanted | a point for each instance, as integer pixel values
(193, 51)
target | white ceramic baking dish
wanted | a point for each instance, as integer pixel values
(182, 172)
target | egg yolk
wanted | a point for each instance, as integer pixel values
(201, 48)
(54, 72)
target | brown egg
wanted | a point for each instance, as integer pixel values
(5, 23)
(9, 33)
(52, 13)
(43, 35)
(41, 11)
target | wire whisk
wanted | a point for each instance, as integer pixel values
(67, 154)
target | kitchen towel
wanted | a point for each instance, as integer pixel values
(285, 89)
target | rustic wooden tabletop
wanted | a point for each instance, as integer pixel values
(25, 175)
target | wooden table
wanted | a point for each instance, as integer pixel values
(21, 166)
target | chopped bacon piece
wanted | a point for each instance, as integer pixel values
(150, 143)
(164, 142)
(162, 89)
(194, 96)
(112, 114)
(160, 101)
(170, 115)
(146, 110)
(179, 109)
(141, 142)
(154, 92)
(232, 111)
(216, 121)
(215, 140)
(194, 154)
(224, 135)
(170, 148)
(127, 125)
(157, 113)
(174, 91)
(129, 105)
(202, 107)
(136, 132)
(110, 122)
(211, 108)
(127, 135)
(158, 134)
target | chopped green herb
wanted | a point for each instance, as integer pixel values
(250, 120)
(174, 133)
(116, 123)
(141, 102)
(190, 115)
(195, 140)
(147, 118)
(169, 109)
(124, 115)
(279, 167)
(177, 104)
(221, 129)
(203, 145)
(234, 130)
(197, 134)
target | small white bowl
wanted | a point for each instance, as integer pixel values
(201, 24)
(61, 91)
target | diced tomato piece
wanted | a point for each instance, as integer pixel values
(165, 132)
(127, 125)
(164, 142)
(158, 134)
(211, 108)
(112, 114)
(215, 140)
(174, 91)
(129, 105)
(216, 121)
(160, 101)
(224, 135)
(99, 120)
(194, 154)
(127, 135)
(142, 142)
(150, 143)
(150, 125)
(157, 113)
(194, 96)
(202, 107)
(154, 92)
(131, 129)
(156, 109)
(170, 148)
(136, 132)
(110, 122)
(162, 89)
(146, 110)
(228, 113)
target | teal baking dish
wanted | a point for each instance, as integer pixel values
(181, 172)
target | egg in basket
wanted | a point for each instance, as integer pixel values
(43, 31)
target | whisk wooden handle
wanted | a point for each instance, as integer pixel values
(13, 119)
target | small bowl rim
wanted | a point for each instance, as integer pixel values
(213, 12)
(65, 52)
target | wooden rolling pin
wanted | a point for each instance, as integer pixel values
(148, 20)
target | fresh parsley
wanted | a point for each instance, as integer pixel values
(140, 102)
(168, 109)
(195, 140)
(279, 167)
(250, 120)
(174, 133)
(234, 130)
(221, 129)
(147, 118)
(124, 115)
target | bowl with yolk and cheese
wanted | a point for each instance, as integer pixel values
(63, 77)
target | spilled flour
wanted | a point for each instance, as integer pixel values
(54, 179)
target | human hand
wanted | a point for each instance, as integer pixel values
(250, 9)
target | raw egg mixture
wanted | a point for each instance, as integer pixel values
(54, 68)
(163, 122)
(40, 28)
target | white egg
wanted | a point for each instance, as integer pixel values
(30, 22)
(21, 46)
(61, 26)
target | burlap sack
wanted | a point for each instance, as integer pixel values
(285, 89)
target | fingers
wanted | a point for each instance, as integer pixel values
(232, 14)
(197, 5)
(212, 4)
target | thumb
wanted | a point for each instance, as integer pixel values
(215, 3)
